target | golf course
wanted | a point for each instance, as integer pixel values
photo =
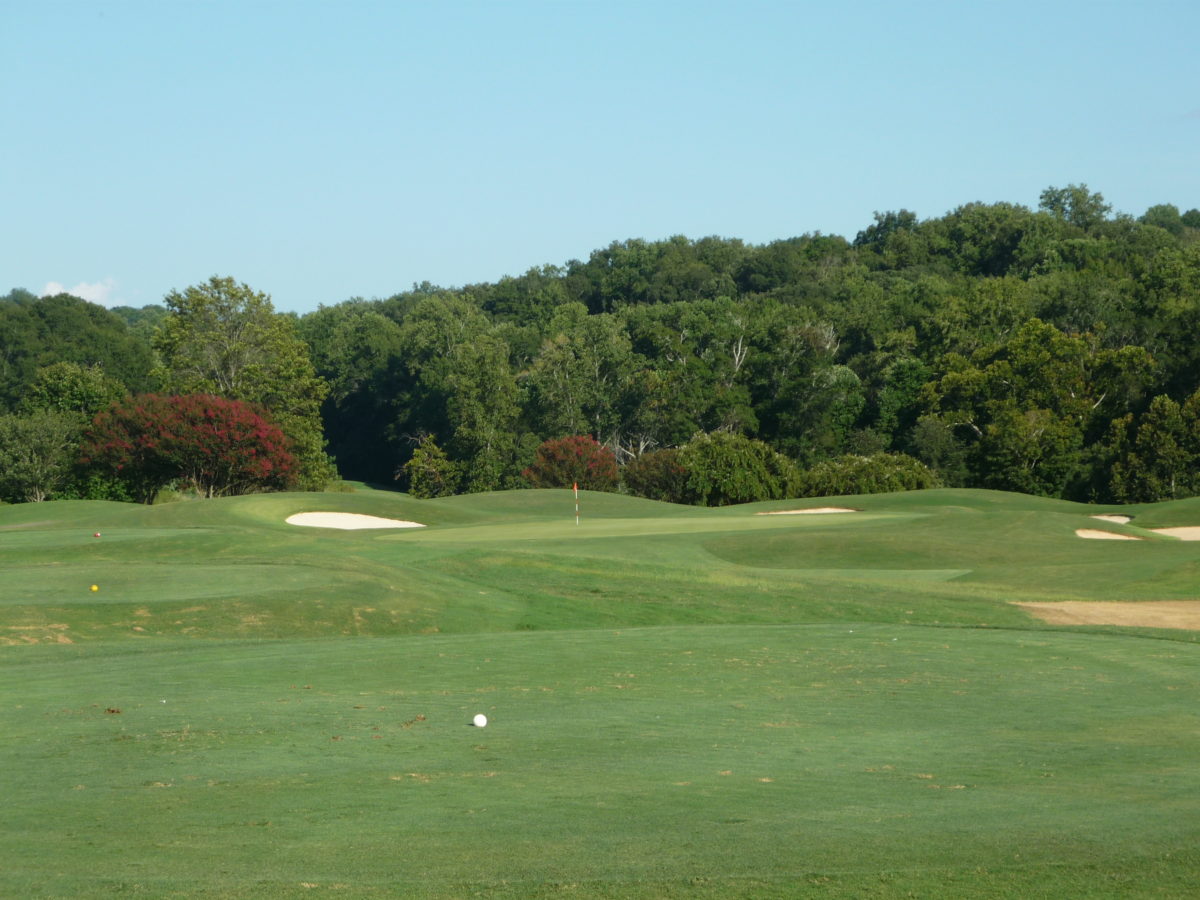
(943, 693)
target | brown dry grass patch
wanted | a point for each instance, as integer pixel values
(34, 634)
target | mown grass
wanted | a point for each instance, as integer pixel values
(683, 702)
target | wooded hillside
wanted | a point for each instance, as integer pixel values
(1048, 351)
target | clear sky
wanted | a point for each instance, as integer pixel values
(324, 150)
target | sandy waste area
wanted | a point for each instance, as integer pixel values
(1150, 614)
(347, 521)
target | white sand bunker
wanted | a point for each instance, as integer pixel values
(1186, 533)
(347, 521)
(1120, 520)
(817, 510)
(1095, 535)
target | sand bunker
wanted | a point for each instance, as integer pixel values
(1187, 533)
(1155, 614)
(1183, 533)
(817, 510)
(347, 521)
(1093, 534)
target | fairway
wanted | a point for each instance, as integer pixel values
(680, 702)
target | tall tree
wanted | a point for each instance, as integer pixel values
(697, 355)
(483, 412)
(36, 454)
(1075, 204)
(581, 379)
(72, 388)
(226, 339)
(39, 332)
(1029, 406)
(1160, 459)
(358, 351)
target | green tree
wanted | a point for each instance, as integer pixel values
(72, 388)
(358, 351)
(802, 267)
(582, 377)
(1028, 407)
(990, 239)
(695, 376)
(430, 473)
(1167, 303)
(38, 332)
(37, 453)
(459, 385)
(935, 444)
(1165, 216)
(981, 313)
(726, 468)
(1162, 461)
(1076, 205)
(142, 322)
(530, 299)
(877, 473)
(802, 404)
(483, 410)
(226, 339)
(897, 403)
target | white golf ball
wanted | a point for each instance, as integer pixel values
(480, 720)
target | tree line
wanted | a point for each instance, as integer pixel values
(1048, 351)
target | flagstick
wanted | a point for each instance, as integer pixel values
(576, 486)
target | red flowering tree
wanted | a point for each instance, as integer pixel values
(219, 447)
(580, 460)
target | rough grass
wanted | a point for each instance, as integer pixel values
(682, 702)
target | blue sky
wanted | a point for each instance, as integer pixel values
(324, 150)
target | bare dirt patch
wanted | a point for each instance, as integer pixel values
(816, 510)
(1184, 614)
(35, 634)
(347, 521)
(1096, 535)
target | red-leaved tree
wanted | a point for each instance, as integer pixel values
(581, 460)
(217, 446)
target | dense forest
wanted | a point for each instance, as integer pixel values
(1048, 351)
